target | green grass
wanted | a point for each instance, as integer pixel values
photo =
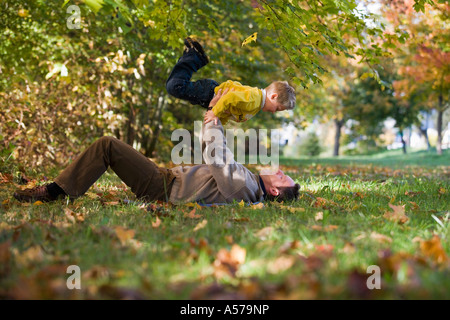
(288, 254)
(392, 158)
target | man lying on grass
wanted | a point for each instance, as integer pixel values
(220, 180)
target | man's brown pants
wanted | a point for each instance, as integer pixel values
(145, 178)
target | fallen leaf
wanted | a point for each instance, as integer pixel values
(319, 216)
(433, 249)
(413, 193)
(257, 206)
(156, 223)
(415, 206)
(229, 239)
(123, 234)
(200, 225)
(73, 216)
(264, 233)
(398, 215)
(193, 205)
(30, 256)
(324, 228)
(292, 209)
(280, 264)
(192, 214)
(228, 262)
(242, 204)
(38, 203)
(380, 237)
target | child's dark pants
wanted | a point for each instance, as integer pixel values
(179, 83)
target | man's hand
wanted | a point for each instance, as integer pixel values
(217, 97)
(210, 116)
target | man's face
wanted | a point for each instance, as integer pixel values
(279, 179)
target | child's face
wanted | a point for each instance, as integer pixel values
(272, 104)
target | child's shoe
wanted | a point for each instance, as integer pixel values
(195, 45)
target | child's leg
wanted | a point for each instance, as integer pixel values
(179, 83)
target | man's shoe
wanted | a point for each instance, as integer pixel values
(34, 194)
(192, 44)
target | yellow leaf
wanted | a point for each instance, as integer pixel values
(250, 39)
(292, 209)
(124, 234)
(201, 225)
(38, 203)
(257, 206)
(23, 13)
(242, 203)
(193, 205)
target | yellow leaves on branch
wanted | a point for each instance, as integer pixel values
(250, 39)
(398, 215)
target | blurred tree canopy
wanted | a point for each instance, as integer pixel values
(72, 74)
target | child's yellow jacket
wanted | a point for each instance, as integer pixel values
(238, 105)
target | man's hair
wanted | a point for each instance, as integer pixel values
(286, 194)
(286, 94)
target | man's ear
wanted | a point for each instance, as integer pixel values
(274, 191)
(273, 96)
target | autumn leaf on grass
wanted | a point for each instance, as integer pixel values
(319, 216)
(264, 233)
(228, 262)
(193, 205)
(73, 216)
(380, 237)
(156, 223)
(324, 228)
(398, 215)
(280, 264)
(123, 234)
(192, 214)
(250, 39)
(257, 206)
(200, 225)
(433, 249)
(292, 209)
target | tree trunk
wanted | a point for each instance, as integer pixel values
(439, 126)
(162, 102)
(131, 132)
(403, 141)
(424, 132)
(337, 137)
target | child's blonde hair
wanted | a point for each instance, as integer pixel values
(286, 94)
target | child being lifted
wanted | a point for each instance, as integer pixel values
(240, 102)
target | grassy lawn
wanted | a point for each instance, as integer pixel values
(388, 211)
